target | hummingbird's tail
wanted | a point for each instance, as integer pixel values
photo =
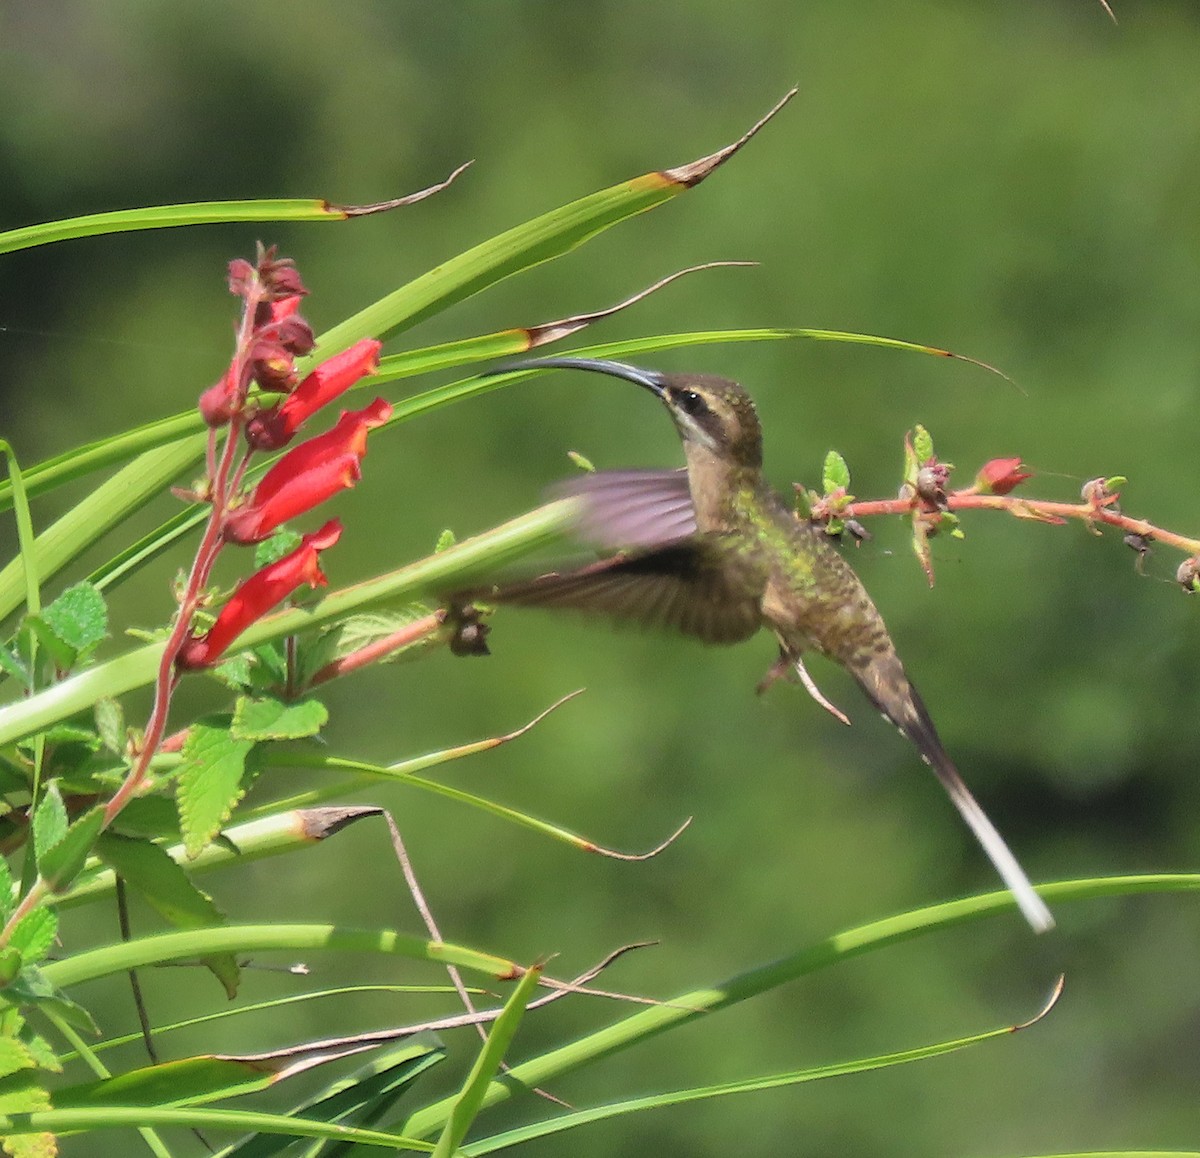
(887, 685)
(1034, 908)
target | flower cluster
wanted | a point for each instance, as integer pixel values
(272, 336)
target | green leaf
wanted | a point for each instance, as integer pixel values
(110, 724)
(7, 904)
(836, 474)
(23, 1093)
(34, 987)
(169, 890)
(15, 1055)
(60, 864)
(49, 821)
(357, 632)
(272, 719)
(922, 444)
(273, 549)
(10, 965)
(34, 934)
(210, 780)
(160, 880)
(79, 618)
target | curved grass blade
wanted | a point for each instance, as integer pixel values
(542, 239)
(237, 1121)
(359, 1099)
(274, 1004)
(281, 826)
(204, 213)
(469, 1100)
(570, 1121)
(160, 947)
(864, 939)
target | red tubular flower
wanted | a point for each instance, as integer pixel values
(272, 429)
(262, 592)
(307, 475)
(1000, 475)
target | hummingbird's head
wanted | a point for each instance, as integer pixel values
(710, 412)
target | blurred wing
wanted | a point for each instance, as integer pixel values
(632, 508)
(699, 586)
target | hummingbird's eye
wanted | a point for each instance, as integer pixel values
(691, 403)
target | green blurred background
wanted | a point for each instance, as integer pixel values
(1014, 180)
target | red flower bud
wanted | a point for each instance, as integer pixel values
(307, 475)
(262, 592)
(217, 402)
(1000, 475)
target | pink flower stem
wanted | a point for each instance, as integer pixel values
(1101, 511)
(222, 483)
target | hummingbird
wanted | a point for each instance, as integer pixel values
(713, 551)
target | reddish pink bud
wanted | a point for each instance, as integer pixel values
(241, 276)
(1000, 475)
(262, 592)
(217, 402)
(307, 475)
(272, 429)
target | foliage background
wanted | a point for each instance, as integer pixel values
(1009, 179)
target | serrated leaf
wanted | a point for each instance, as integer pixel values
(43, 1145)
(267, 718)
(210, 781)
(235, 672)
(32, 988)
(149, 816)
(10, 965)
(922, 444)
(273, 549)
(13, 666)
(836, 474)
(15, 1055)
(79, 618)
(170, 891)
(71, 734)
(444, 541)
(22, 1093)
(39, 1049)
(34, 627)
(160, 880)
(315, 652)
(60, 864)
(110, 724)
(49, 821)
(34, 935)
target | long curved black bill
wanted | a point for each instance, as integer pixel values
(652, 380)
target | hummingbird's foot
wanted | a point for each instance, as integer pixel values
(814, 691)
(781, 669)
